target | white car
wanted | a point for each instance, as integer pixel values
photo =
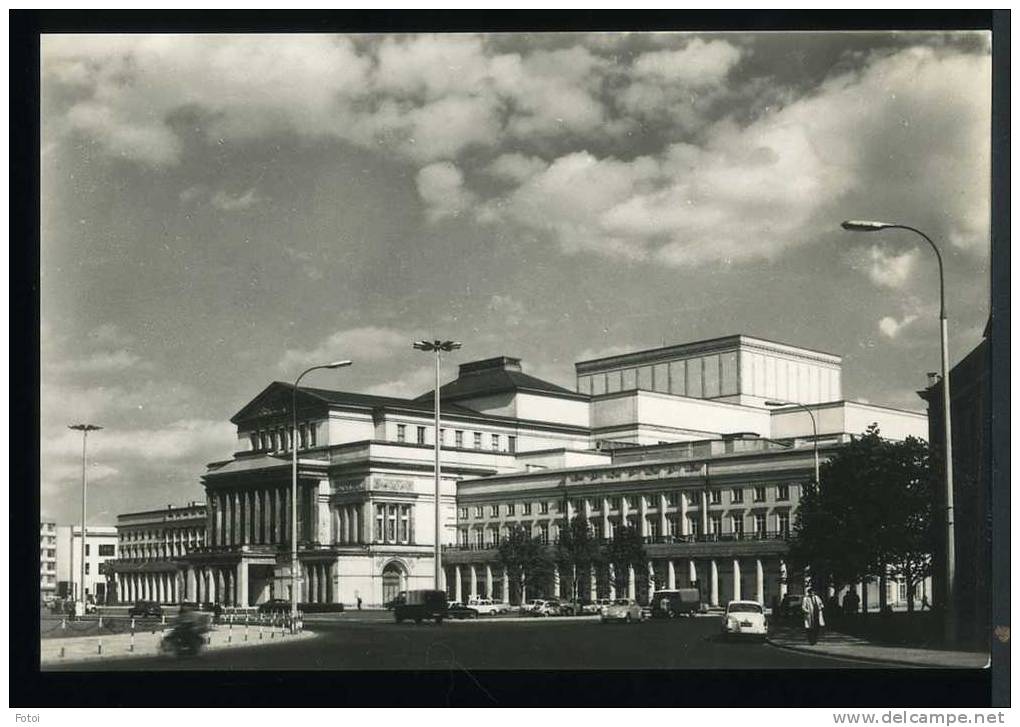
(744, 618)
(622, 609)
(484, 606)
(501, 606)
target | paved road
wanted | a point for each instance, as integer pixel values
(370, 642)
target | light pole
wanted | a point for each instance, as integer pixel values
(294, 488)
(814, 428)
(84, 429)
(950, 547)
(438, 347)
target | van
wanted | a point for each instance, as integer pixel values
(678, 602)
(420, 605)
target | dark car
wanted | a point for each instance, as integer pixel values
(790, 607)
(275, 605)
(420, 606)
(460, 611)
(676, 602)
(146, 609)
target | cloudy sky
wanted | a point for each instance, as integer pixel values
(220, 211)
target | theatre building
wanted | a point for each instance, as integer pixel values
(679, 442)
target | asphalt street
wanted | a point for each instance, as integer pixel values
(373, 641)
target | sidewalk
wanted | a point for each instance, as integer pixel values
(843, 646)
(96, 648)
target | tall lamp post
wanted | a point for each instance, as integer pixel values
(438, 347)
(950, 547)
(84, 429)
(294, 488)
(814, 428)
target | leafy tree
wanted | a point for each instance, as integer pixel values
(626, 550)
(577, 551)
(527, 562)
(871, 516)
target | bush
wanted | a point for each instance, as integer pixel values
(321, 607)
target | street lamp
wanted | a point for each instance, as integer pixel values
(84, 429)
(814, 428)
(950, 564)
(438, 347)
(294, 488)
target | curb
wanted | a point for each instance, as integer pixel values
(864, 659)
(77, 659)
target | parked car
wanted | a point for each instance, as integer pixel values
(460, 611)
(421, 605)
(744, 618)
(484, 606)
(675, 603)
(528, 607)
(790, 607)
(571, 608)
(275, 605)
(501, 606)
(622, 609)
(593, 607)
(545, 607)
(146, 609)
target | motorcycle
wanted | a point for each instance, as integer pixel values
(182, 640)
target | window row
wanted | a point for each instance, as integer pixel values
(161, 536)
(393, 523)
(279, 439)
(618, 503)
(496, 442)
(698, 377)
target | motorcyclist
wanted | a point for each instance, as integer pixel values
(188, 627)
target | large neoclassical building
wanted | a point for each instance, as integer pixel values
(678, 442)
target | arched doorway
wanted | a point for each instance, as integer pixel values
(393, 579)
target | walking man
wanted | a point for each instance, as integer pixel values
(813, 618)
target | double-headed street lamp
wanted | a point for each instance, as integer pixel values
(84, 429)
(814, 428)
(438, 347)
(950, 547)
(294, 488)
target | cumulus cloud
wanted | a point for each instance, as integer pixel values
(368, 343)
(233, 202)
(441, 187)
(890, 270)
(891, 328)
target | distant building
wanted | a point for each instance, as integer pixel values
(100, 546)
(675, 441)
(153, 545)
(47, 560)
(970, 393)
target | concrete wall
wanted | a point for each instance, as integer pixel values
(678, 413)
(552, 409)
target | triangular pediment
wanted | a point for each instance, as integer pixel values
(275, 402)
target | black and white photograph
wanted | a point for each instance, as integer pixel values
(586, 351)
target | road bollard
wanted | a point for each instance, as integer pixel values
(61, 652)
(131, 645)
(132, 624)
(100, 622)
(246, 628)
(100, 651)
(63, 624)
(230, 630)
(162, 620)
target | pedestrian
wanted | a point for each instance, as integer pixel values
(814, 619)
(924, 602)
(359, 603)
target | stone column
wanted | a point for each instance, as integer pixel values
(458, 586)
(663, 516)
(237, 521)
(190, 586)
(278, 532)
(506, 587)
(593, 584)
(242, 584)
(556, 581)
(671, 574)
(612, 581)
(606, 531)
(643, 516)
(256, 517)
(488, 581)
(704, 512)
(245, 518)
(220, 586)
(221, 519)
(473, 585)
(759, 582)
(736, 579)
(651, 580)
(782, 578)
(631, 583)
(365, 522)
(714, 583)
(684, 527)
(624, 510)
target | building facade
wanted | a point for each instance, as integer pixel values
(677, 442)
(153, 545)
(47, 560)
(100, 547)
(970, 400)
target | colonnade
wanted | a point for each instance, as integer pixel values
(161, 587)
(662, 574)
(258, 516)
